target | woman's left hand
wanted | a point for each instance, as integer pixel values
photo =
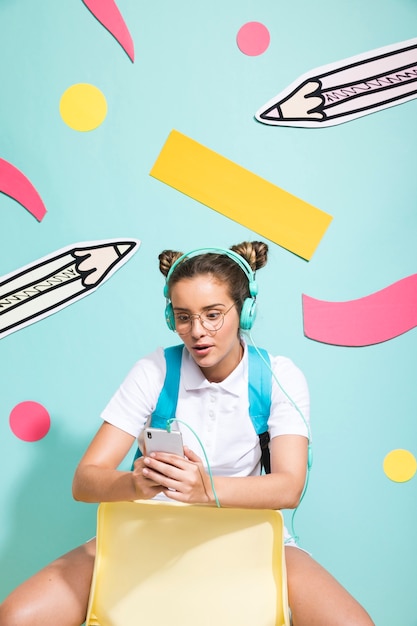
(183, 479)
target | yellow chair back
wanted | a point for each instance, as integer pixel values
(186, 565)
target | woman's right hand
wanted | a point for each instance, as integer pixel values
(97, 477)
(144, 487)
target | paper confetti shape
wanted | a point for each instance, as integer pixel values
(375, 318)
(400, 465)
(16, 185)
(83, 107)
(29, 421)
(59, 279)
(348, 89)
(108, 14)
(240, 195)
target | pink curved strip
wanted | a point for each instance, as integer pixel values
(107, 13)
(375, 318)
(15, 184)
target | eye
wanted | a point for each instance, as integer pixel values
(213, 315)
(182, 318)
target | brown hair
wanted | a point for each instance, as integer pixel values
(219, 265)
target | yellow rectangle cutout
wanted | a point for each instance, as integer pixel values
(240, 195)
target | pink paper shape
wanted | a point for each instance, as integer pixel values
(29, 421)
(108, 14)
(253, 38)
(15, 184)
(375, 318)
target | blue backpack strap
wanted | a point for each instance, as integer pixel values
(260, 389)
(168, 398)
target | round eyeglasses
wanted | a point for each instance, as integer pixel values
(211, 319)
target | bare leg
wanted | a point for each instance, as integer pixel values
(316, 598)
(58, 594)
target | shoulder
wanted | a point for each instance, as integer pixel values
(285, 365)
(151, 367)
(284, 370)
(287, 371)
(154, 365)
(278, 363)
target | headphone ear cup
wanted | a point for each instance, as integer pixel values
(248, 314)
(169, 316)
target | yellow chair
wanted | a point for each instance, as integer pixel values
(165, 564)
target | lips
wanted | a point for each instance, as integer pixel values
(201, 350)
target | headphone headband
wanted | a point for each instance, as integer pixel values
(243, 264)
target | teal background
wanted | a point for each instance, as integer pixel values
(190, 75)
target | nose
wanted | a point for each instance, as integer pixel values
(197, 328)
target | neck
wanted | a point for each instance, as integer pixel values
(222, 370)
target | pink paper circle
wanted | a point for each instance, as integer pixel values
(253, 38)
(29, 421)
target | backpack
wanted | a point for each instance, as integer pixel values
(259, 389)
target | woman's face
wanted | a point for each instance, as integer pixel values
(217, 353)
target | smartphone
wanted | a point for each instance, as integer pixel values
(159, 440)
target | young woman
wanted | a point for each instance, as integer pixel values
(210, 298)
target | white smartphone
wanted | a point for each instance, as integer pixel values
(159, 440)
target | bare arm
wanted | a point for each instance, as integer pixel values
(278, 490)
(281, 489)
(97, 478)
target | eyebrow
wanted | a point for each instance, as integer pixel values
(205, 308)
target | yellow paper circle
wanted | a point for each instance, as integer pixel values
(400, 465)
(83, 107)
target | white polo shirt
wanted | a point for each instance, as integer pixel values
(217, 412)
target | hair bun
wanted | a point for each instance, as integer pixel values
(255, 253)
(167, 259)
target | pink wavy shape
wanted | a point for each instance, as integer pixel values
(108, 14)
(378, 317)
(15, 184)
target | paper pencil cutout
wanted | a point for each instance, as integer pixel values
(108, 14)
(375, 318)
(59, 279)
(15, 184)
(240, 195)
(342, 91)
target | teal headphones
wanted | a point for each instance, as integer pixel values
(248, 313)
